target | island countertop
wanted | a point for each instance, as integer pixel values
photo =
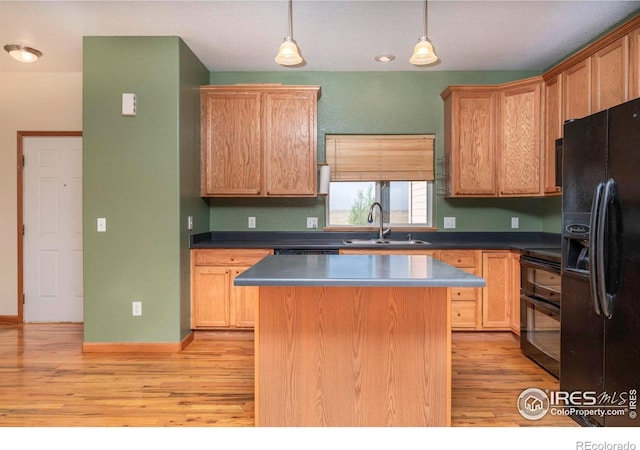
(356, 271)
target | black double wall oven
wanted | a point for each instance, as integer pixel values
(540, 296)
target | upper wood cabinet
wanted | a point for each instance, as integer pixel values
(520, 138)
(470, 119)
(552, 131)
(259, 140)
(634, 64)
(610, 75)
(493, 139)
(576, 90)
(231, 139)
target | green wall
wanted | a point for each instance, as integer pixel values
(138, 173)
(193, 74)
(380, 102)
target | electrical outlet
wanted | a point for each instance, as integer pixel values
(449, 222)
(136, 308)
(515, 222)
(312, 222)
(102, 224)
(190, 223)
(251, 222)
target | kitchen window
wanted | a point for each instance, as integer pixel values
(405, 203)
(395, 170)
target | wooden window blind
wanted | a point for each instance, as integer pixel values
(380, 157)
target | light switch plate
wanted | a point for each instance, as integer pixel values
(102, 224)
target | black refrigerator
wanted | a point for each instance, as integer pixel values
(600, 308)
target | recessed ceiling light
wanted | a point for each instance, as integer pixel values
(22, 53)
(384, 58)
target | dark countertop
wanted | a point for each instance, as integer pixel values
(356, 270)
(331, 240)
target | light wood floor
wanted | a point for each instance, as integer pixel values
(45, 380)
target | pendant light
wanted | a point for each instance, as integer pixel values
(22, 53)
(423, 52)
(289, 54)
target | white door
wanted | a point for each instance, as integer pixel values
(52, 244)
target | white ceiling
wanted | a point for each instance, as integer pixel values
(238, 35)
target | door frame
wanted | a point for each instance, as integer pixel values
(20, 164)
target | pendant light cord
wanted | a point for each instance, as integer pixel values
(291, 19)
(425, 18)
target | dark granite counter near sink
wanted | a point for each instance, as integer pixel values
(329, 240)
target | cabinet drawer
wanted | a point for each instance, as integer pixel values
(229, 257)
(458, 293)
(460, 258)
(463, 314)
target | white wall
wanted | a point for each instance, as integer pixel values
(28, 102)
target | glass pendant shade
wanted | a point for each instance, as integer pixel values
(423, 53)
(23, 54)
(288, 55)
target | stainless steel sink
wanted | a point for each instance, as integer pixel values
(384, 242)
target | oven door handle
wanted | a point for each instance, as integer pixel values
(524, 261)
(594, 281)
(544, 307)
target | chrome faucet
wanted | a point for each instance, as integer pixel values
(382, 231)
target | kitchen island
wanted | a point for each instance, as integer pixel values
(353, 340)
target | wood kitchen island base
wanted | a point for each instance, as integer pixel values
(353, 356)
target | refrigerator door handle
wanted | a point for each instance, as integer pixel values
(606, 299)
(593, 247)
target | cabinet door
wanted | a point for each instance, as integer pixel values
(514, 313)
(520, 139)
(610, 72)
(210, 297)
(473, 135)
(290, 143)
(497, 294)
(243, 301)
(576, 87)
(231, 152)
(634, 64)
(553, 130)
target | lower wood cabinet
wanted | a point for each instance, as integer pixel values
(515, 293)
(496, 307)
(501, 296)
(466, 303)
(215, 302)
(496, 304)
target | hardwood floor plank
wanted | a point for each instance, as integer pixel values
(46, 380)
